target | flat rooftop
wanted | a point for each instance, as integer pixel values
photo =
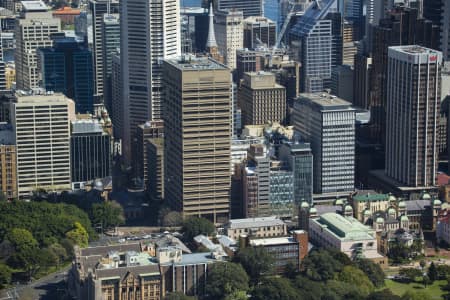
(345, 228)
(255, 222)
(192, 63)
(273, 241)
(36, 6)
(326, 101)
(414, 49)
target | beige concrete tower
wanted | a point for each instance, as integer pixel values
(229, 34)
(33, 30)
(197, 137)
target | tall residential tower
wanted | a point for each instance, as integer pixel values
(413, 107)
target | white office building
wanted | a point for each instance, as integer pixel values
(33, 30)
(41, 124)
(229, 31)
(328, 124)
(150, 31)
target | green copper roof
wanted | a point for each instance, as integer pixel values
(345, 228)
(371, 197)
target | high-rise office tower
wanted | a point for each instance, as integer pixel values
(111, 44)
(42, 133)
(8, 159)
(67, 68)
(34, 29)
(116, 97)
(248, 7)
(259, 30)
(261, 99)
(328, 124)
(229, 32)
(312, 38)
(401, 27)
(197, 129)
(445, 31)
(90, 151)
(98, 8)
(362, 71)
(413, 103)
(155, 167)
(342, 82)
(300, 160)
(149, 130)
(150, 31)
(256, 182)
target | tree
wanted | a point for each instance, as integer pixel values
(385, 294)
(372, 270)
(290, 270)
(194, 226)
(5, 275)
(224, 279)
(22, 239)
(109, 214)
(319, 265)
(59, 251)
(422, 263)
(237, 295)
(344, 290)
(178, 296)
(432, 272)
(426, 281)
(256, 261)
(276, 288)
(308, 289)
(443, 271)
(172, 218)
(418, 295)
(78, 235)
(25, 249)
(353, 275)
(410, 273)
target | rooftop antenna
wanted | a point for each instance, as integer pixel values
(108, 7)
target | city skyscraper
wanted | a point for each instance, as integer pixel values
(413, 108)
(445, 30)
(41, 125)
(67, 68)
(261, 99)
(197, 129)
(98, 9)
(229, 31)
(150, 31)
(401, 27)
(259, 30)
(248, 7)
(111, 44)
(34, 29)
(90, 151)
(316, 47)
(328, 124)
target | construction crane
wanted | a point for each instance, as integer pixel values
(285, 25)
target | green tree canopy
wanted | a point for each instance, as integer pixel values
(416, 295)
(354, 276)
(308, 289)
(78, 235)
(5, 275)
(109, 214)
(319, 265)
(48, 222)
(194, 226)
(178, 296)
(256, 261)
(385, 294)
(432, 272)
(372, 270)
(172, 218)
(276, 288)
(225, 279)
(410, 273)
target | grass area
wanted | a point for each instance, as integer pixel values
(433, 291)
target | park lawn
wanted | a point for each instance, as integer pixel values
(434, 291)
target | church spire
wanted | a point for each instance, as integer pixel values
(211, 42)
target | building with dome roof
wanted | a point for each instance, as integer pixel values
(345, 234)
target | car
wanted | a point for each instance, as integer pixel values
(121, 240)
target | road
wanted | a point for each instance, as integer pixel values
(50, 287)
